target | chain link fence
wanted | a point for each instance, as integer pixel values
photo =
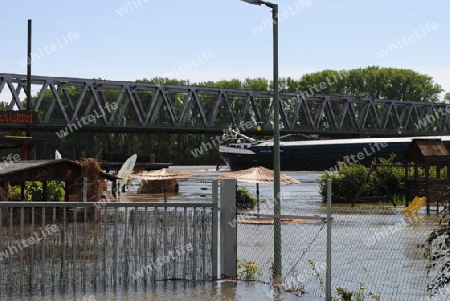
(376, 251)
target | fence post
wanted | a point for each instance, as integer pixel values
(84, 190)
(228, 227)
(328, 273)
(215, 228)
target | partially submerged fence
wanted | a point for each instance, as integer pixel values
(48, 246)
(72, 246)
(374, 250)
(304, 243)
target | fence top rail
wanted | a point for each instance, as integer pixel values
(102, 204)
(308, 217)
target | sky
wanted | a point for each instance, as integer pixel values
(201, 40)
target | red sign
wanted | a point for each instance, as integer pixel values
(23, 116)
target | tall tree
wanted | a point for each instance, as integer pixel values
(373, 81)
(447, 96)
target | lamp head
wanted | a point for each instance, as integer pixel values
(256, 2)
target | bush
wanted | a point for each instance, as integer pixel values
(247, 269)
(244, 199)
(349, 179)
(348, 295)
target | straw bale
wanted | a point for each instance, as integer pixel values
(91, 169)
(157, 186)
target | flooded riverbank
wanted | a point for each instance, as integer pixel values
(372, 245)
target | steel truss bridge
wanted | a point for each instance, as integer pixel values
(119, 106)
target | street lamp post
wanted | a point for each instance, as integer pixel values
(277, 267)
(29, 106)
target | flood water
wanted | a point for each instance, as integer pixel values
(372, 246)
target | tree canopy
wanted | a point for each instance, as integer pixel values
(373, 81)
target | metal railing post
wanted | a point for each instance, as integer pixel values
(215, 228)
(329, 220)
(228, 237)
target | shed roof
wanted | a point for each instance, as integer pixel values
(427, 150)
(44, 170)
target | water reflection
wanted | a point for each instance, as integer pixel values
(176, 290)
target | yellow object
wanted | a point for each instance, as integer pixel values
(6, 136)
(416, 204)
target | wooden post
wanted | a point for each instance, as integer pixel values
(22, 191)
(66, 191)
(427, 177)
(45, 191)
(84, 189)
(406, 185)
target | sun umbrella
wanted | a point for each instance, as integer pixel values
(258, 175)
(162, 174)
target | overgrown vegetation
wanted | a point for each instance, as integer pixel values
(244, 199)
(350, 179)
(316, 273)
(343, 294)
(437, 250)
(247, 269)
(348, 295)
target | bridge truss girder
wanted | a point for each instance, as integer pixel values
(146, 107)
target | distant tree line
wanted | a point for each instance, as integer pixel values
(373, 81)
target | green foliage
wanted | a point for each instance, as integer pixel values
(348, 295)
(247, 269)
(244, 199)
(14, 193)
(342, 293)
(34, 191)
(447, 96)
(437, 247)
(392, 177)
(373, 81)
(377, 82)
(316, 273)
(349, 179)
(56, 191)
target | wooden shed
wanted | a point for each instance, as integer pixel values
(43, 170)
(426, 155)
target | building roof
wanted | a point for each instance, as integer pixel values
(44, 170)
(427, 150)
